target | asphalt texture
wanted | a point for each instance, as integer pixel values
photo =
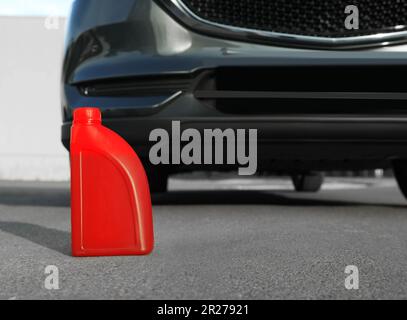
(270, 243)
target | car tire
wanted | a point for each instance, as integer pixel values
(311, 182)
(157, 179)
(400, 173)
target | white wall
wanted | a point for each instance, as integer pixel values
(31, 51)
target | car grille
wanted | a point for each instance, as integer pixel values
(301, 90)
(316, 18)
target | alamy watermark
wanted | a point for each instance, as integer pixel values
(52, 22)
(208, 149)
(51, 281)
(352, 277)
(352, 20)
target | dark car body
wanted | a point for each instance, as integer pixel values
(321, 99)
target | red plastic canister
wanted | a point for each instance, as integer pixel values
(111, 212)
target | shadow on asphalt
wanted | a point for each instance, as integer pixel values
(237, 197)
(34, 195)
(59, 196)
(53, 239)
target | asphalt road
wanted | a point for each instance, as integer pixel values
(240, 244)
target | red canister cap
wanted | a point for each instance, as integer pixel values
(87, 115)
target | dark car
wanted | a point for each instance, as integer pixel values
(322, 96)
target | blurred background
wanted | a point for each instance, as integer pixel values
(32, 40)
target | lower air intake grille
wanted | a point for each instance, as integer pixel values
(305, 90)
